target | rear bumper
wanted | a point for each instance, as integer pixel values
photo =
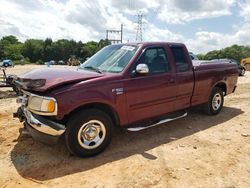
(40, 128)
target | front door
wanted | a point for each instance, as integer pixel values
(152, 94)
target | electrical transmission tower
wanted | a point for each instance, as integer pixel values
(139, 26)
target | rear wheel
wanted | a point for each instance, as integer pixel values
(215, 103)
(88, 132)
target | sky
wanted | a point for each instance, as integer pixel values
(203, 25)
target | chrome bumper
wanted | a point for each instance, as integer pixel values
(44, 125)
(40, 126)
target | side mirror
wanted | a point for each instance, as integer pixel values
(142, 69)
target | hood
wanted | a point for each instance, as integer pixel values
(54, 77)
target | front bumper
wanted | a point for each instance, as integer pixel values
(40, 128)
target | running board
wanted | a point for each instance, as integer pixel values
(155, 124)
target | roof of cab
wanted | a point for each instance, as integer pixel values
(155, 43)
(151, 43)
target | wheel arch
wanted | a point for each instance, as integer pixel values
(223, 86)
(109, 110)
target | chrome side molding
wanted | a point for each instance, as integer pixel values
(133, 129)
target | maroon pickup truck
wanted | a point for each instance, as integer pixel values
(134, 86)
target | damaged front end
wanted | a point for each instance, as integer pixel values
(35, 112)
(27, 84)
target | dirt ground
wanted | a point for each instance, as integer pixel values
(196, 151)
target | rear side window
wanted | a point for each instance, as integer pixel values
(180, 59)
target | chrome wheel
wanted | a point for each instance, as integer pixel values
(217, 101)
(91, 134)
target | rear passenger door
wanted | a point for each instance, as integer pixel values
(184, 77)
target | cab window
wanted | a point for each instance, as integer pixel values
(156, 59)
(180, 59)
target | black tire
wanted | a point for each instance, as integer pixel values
(75, 125)
(242, 72)
(5, 65)
(210, 108)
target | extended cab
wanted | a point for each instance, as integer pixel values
(135, 86)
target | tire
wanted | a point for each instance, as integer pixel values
(242, 72)
(5, 65)
(88, 132)
(215, 102)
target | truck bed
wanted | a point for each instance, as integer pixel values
(206, 73)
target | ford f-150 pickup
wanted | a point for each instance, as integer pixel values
(134, 86)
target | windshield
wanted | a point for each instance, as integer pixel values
(113, 58)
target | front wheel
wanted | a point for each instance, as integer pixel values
(215, 102)
(88, 132)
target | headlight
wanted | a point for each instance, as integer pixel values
(42, 105)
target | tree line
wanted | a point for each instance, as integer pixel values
(35, 50)
(235, 52)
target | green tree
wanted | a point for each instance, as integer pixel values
(63, 49)
(235, 52)
(10, 48)
(8, 40)
(47, 49)
(13, 51)
(102, 43)
(201, 56)
(215, 54)
(33, 49)
(88, 49)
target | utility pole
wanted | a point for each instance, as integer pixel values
(121, 32)
(110, 32)
(139, 26)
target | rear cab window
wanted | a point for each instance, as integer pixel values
(181, 62)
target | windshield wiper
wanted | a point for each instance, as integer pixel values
(93, 68)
